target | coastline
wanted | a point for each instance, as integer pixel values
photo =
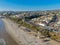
(11, 31)
(21, 37)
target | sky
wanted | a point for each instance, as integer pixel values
(29, 5)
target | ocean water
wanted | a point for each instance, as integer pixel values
(2, 42)
(5, 38)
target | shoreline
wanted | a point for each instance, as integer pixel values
(21, 37)
(10, 31)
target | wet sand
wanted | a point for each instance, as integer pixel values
(5, 36)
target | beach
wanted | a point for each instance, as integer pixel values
(22, 37)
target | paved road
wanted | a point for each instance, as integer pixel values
(5, 36)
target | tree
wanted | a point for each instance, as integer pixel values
(46, 33)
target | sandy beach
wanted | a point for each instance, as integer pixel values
(23, 38)
(10, 29)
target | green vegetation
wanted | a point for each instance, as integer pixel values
(46, 33)
(55, 36)
(30, 26)
(37, 29)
